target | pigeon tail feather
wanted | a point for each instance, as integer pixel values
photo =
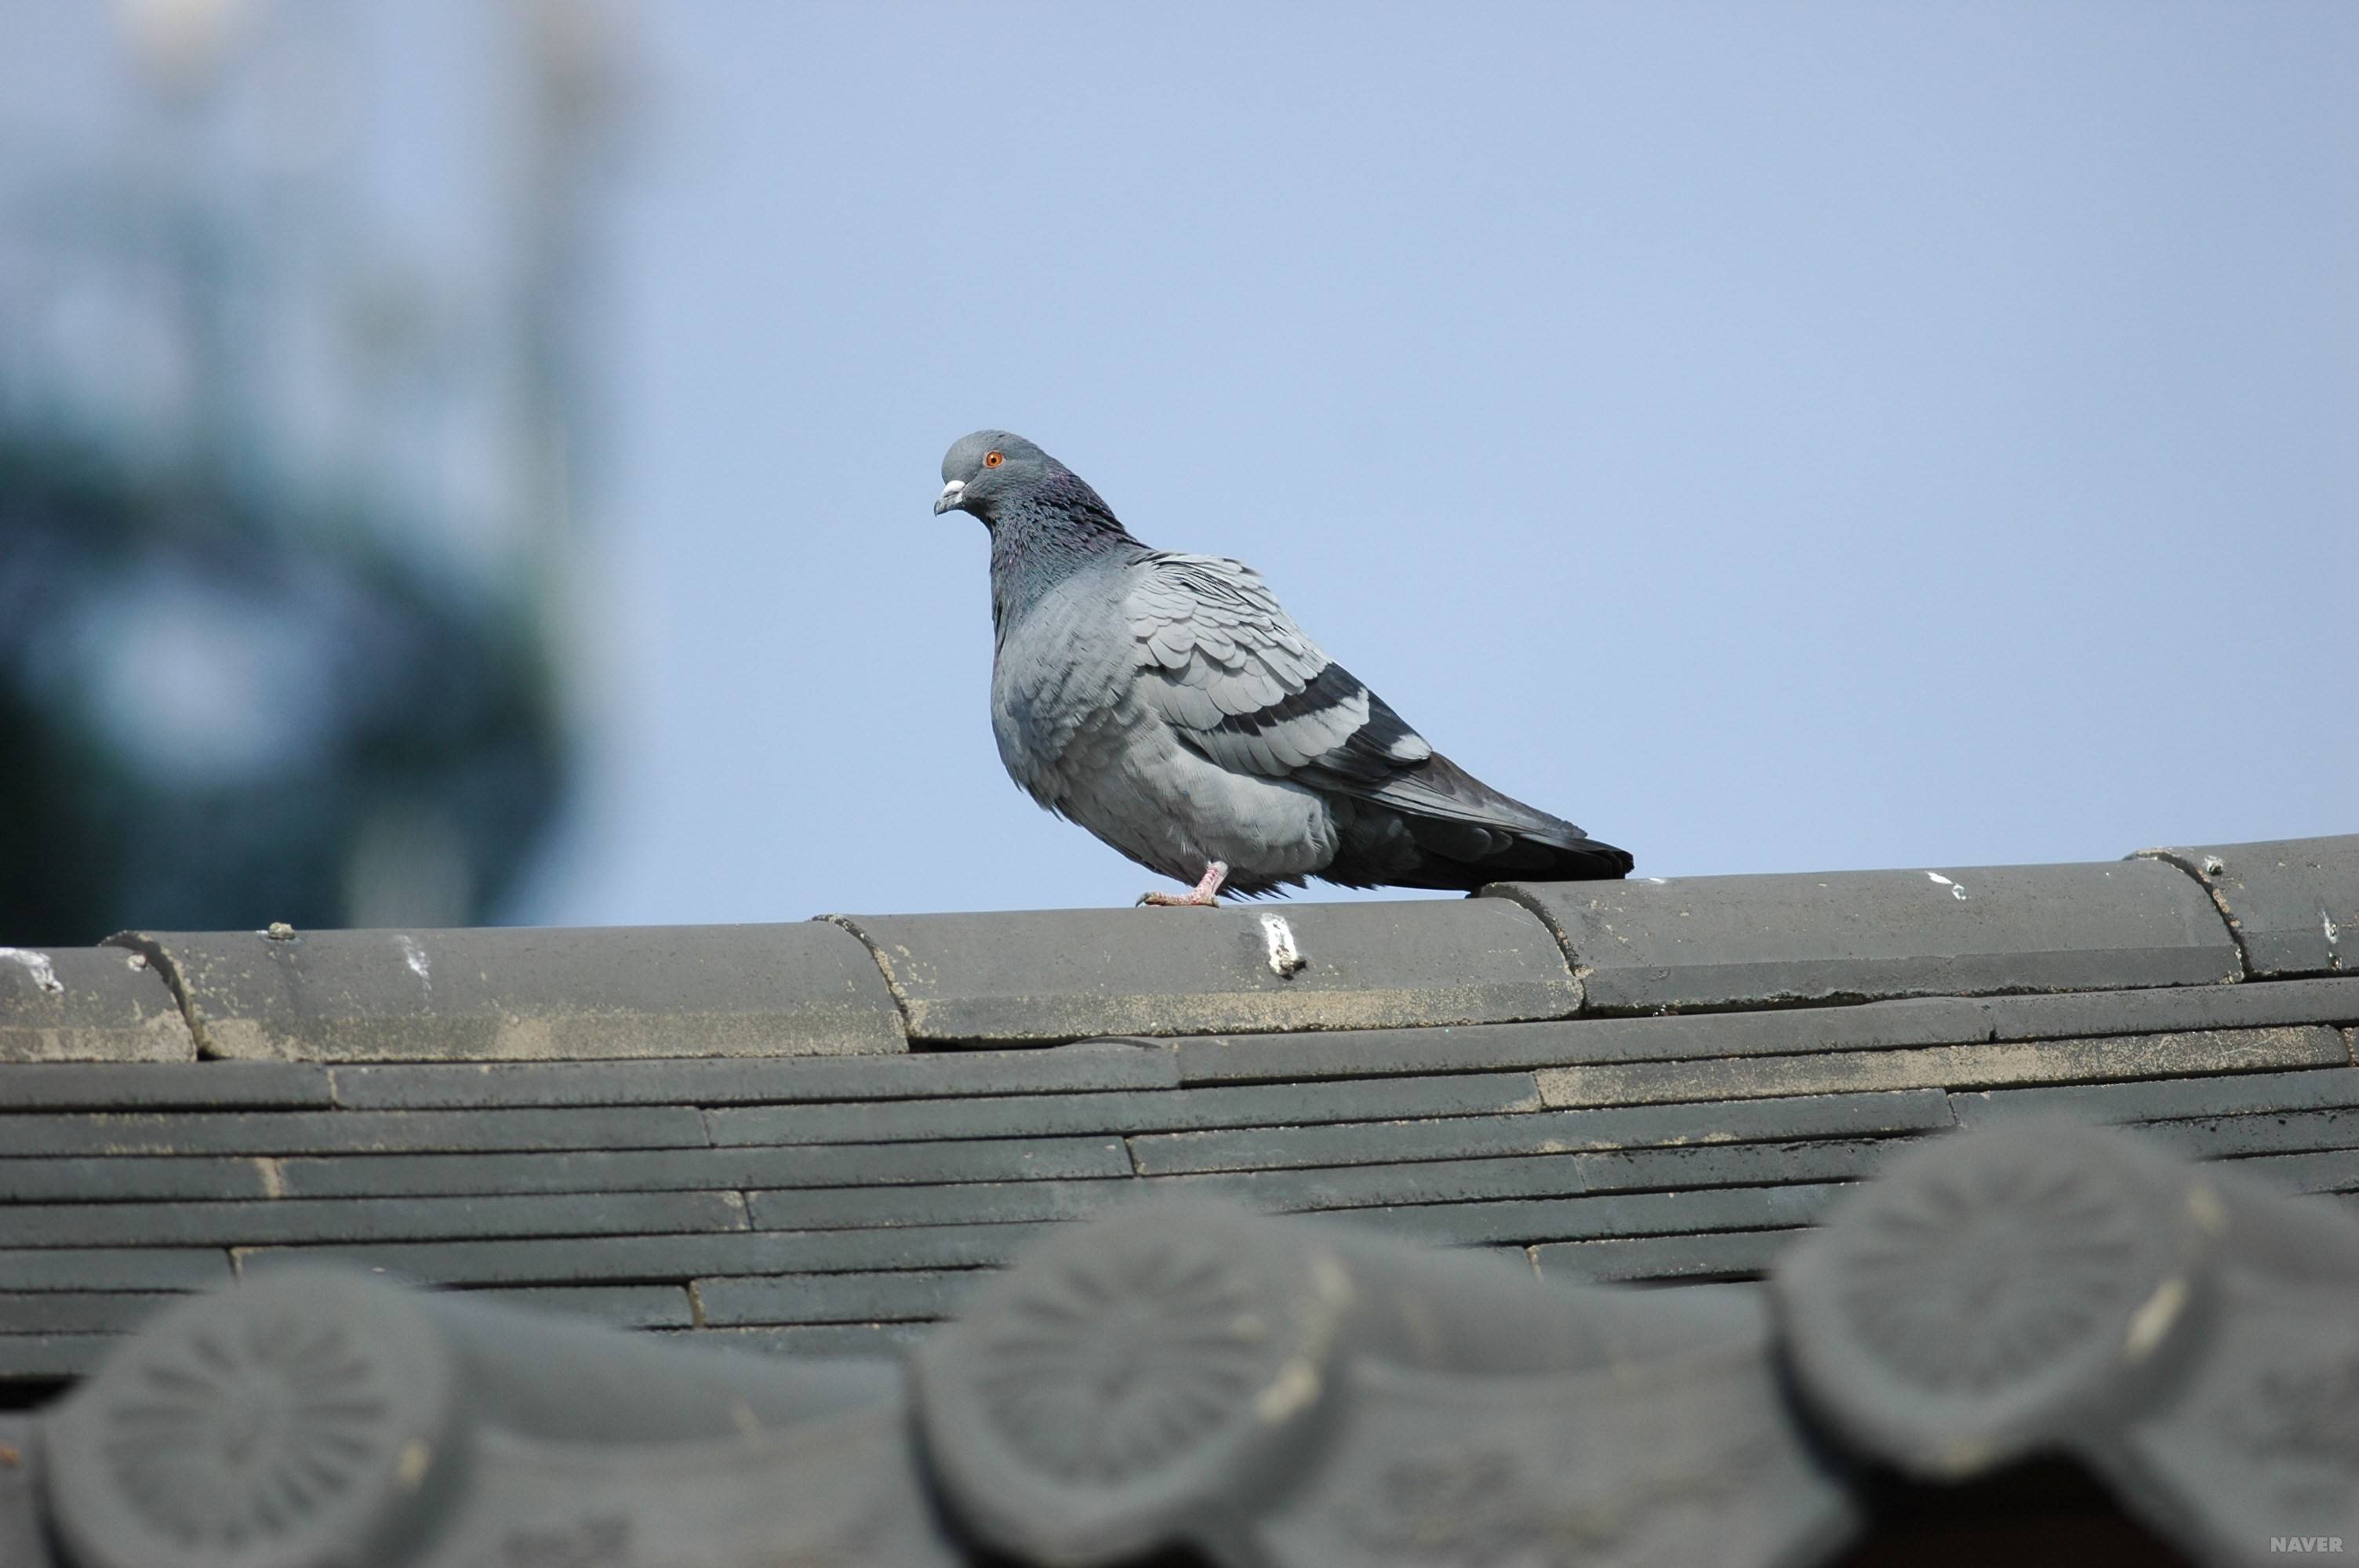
(1438, 826)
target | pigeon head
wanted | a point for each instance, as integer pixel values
(984, 471)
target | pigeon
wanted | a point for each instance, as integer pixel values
(1168, 704)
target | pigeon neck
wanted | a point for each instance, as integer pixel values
(1039, 542)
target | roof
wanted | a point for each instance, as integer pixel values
(1994, 1316)
(818, 1137)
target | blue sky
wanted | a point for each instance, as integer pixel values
(1778, 438)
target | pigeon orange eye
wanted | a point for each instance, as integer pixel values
(992, 460)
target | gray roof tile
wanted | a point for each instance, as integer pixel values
(619, 1306)
(1103, 1065)
(237, 1223)
(321, 1132)
(1868, 1026)
(114, 1269)
(969, 1203)
(1540, 1176)
(2293, 903)
(2249, 1005)
(594, 1171)
(1549, 1131)
(1875, 1026)
(76, 1311)
(101, 1179)
(2281, 1132)
(522, 993)
(1036, 1115)
(1956, 1067)
(121, 1086)
(1711, 1255)
(1615, 1214)
(595, 1258)
(901, 1295)
(823, 1339)
(1751, 941)
(1333, 1188)
(1072, 974)
(38, 1356)
(2332, 1171)
(2154, 1098)
(75, 1004)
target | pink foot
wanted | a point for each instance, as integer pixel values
(1207, 892)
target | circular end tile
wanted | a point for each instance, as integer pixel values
(295, 1422)
(1994, 1292)
(1130, 1377)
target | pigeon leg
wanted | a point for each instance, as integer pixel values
(1207, 892)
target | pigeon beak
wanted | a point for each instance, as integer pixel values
(951, 495)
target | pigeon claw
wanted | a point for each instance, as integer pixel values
(1206, 894)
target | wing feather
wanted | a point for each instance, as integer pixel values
(1223, 665)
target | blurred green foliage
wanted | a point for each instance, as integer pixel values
(218, 710)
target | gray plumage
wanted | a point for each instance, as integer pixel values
(1170, 705)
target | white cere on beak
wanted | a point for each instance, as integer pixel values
(952, 491)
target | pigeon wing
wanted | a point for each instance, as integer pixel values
(1223, 663)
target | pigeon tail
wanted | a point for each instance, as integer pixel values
(1438, 826)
